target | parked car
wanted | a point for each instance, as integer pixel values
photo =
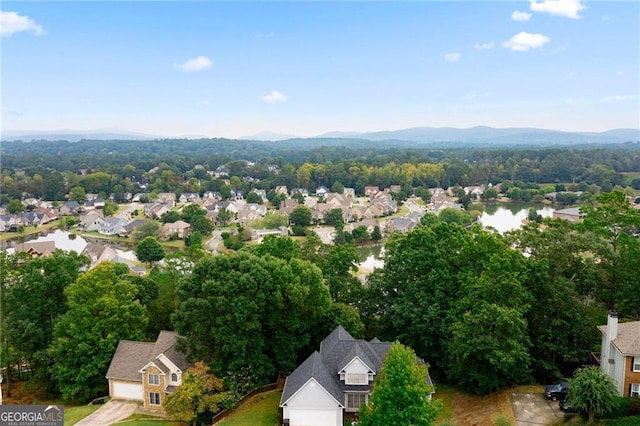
(557, 392)
(567, 407)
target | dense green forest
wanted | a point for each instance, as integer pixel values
(49, 169)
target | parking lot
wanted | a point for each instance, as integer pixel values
(534, 409)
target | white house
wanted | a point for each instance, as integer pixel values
(333, 382)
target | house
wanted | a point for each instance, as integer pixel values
(98, 253)
(112, 226)
(281, 189)
(70, 208)
(146, 372)
(333, 382)
(189, 197)
(572, 214)
(179, 228)
(321, 191)
(221, 171)
(91, 221)
(36, 248)
(168, 198)
(620, 354)
(371, 190)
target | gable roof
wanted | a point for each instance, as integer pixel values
(628, 340)
(131, 357)
(336, 351)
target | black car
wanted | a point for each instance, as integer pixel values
(567, 407)
(557, 392)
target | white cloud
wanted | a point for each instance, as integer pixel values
(452, 57)
(605, 18)
(195, 64)
(268, 35)
(566, 8)
(522, 41)
(11, 22)
(520, 16)
(273, 97)
(484, 46)
(619, 98)
(619, 72)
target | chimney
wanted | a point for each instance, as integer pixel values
(612, 326)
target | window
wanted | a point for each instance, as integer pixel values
(636, 363)
(154, 398)
(635, 390)
(154, 379)
(174, 377)
(357, 379)
(355, 400)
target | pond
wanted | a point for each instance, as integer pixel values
(70, 242)
(501, 216)
(507, 217)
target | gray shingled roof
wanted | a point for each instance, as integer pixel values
(131, 357)
(628, 340)
(336, 351)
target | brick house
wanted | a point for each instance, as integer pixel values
(147, 372)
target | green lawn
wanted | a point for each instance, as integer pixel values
(147, 420)
(261, 410)
(73, 415)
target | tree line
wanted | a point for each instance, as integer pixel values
(49, 170)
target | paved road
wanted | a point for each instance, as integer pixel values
(126, 214)
(325, 233)
(214, 242)
(533, 409)
(109, 413)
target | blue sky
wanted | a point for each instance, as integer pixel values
(230, 69)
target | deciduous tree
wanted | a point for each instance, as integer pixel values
(200, 392)
(102, 311)
(249, 295)
(149, 250)
(400, 392)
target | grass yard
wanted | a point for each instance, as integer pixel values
(150, 422)
(73, 415)
(261, 410)
(147, 420)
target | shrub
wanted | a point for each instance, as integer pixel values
(621, 408)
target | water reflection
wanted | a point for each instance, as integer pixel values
(505, 219)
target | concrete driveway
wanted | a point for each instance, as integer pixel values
(534, 409)
(109, 413)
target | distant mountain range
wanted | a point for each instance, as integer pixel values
(475, 135)
(498, 136)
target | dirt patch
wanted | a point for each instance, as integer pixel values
(471, 410)
(22, 395)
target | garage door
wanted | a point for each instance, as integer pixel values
(313, 418)
(127, 391)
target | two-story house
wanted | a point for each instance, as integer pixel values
(620, 354)
(146, 372)
(333, 382)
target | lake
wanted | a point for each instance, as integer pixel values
(70, 242)
(501, 216)
(507, 217)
